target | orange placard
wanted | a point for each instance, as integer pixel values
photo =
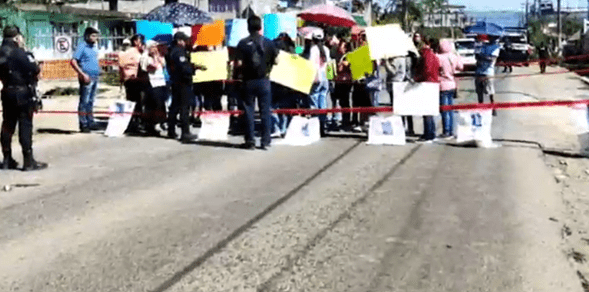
(209, 34)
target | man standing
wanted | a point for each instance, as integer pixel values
(85, 63)
(486, 57)
(18, 73)
(135, 79)
(429, 71)
(256, 55)
(181, 71)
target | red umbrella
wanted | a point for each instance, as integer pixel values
(328, 14)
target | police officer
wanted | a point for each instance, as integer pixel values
(18, 73)
(181, 71)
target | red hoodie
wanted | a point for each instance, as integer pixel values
(429, 70)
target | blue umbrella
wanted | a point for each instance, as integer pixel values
(482, 27)
(178, 14)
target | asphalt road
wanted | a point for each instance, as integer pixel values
(147, 214)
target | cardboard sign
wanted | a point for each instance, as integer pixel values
(386, 131)
(119, 121)
(396, 44)
(474, 126)
(331, 70)
(302, 132)
(216, 63)
(277, 23)
(237, 32)
(417, 99)
(209, 34)
(294, 72)
(155, 30)
(360, 63)
(215, 127)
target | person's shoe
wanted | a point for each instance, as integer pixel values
(85, 130)
(9, 163)
(265, 146)
(248, 146)
(425, 141)
(31, 164)
(172, 135)
(276, 134)
(152, 132)
(94, 127)
(186, 138)
(494, 113)
(446, 136)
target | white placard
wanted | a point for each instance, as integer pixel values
(416, 99)
(118, 121)
(302, 132)
(214, 127)
(386, 131)
(395, 44)
(474, 126)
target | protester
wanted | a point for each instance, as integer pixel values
(181, 71)
(544, 56)
(85, 63)
(450, 63)
(320, 58)
(505, 56)
(153, 62)
(428, 71)
(486, 57)
(256, 56)
(135, 80)
(374, 84)
(343, 83)
(399, 70)
(18, 72)
(282, 97)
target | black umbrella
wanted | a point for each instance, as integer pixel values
(178, 14)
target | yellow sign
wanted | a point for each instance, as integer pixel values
(360, 63)
(215, 62)
(294, 72)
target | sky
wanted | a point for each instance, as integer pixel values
(512, 5)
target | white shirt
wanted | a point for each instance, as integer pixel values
(156, 78)
(315, 58)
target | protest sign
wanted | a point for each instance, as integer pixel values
(277, 23)
(294, 72)
(301, 132)
(360, 63)
(396, 44)
(238, 32)
(209, 34)
(215, 127)
(331, 71)
(416, 99)
(155, 30)
(214, 61)
(386, 131)
(119, 119)
(474, 127)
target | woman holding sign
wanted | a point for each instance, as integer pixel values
(343, 82)
(319, 56)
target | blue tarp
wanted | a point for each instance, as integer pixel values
(483, 27)
(155, 30)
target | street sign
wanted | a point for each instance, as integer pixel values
(63, 44)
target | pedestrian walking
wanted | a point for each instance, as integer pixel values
(18, 73)
(486, 57)
(544, 56)
(85, 63)
(450, 64)
(256, 56)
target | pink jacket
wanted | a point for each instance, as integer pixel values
(450, 63)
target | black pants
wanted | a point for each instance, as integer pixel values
(137, 91)
(407, 120)
(260, 89)
(155, 106)
(341, 93)
(212, 93)
(360, 98)
(12, 115)
(182, 96)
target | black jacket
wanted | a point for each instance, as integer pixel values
(179, 66)
(256, 45)
(18, 72)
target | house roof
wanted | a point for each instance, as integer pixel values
(63, 9)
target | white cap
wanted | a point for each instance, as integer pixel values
(127, 42)
(151, 43)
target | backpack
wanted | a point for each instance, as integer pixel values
(258, 58)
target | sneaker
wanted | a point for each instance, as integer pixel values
(494, 113)
(446, 136)
(187, 138)
(276, 134)
(425, 141)
(248, 146)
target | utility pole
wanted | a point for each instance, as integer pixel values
(559, 20)
(527, 6)
(405, 24)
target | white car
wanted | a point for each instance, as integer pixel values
(466, 49)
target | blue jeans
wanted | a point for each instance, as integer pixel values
(429, 128)
(282, 98)
(260, 89)
(374, 97)
(318, 98)
(447, 98)
(86, 104)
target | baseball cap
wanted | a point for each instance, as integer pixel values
(11, 31)
(181, 36)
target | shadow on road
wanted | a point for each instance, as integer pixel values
(55, 131)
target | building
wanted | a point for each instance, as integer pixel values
(448, 16)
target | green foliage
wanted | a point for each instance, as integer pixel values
(570, 27)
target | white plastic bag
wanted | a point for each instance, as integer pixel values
(302, 132)
(118, 121)
(215, 127)
(386, 131)
(474, 127)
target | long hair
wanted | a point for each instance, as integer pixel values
(323, 56)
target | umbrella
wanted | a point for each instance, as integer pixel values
(307, 31)
(179, 14)
(483, 27)
(328, 14)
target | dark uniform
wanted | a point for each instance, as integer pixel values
(181, 71)
(18, 73)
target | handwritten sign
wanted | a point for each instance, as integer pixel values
(360, 63)
(294, 72)
(396, 44)
(416, 99)
(215, 62)
(209, 34)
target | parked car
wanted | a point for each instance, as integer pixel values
(466, 49)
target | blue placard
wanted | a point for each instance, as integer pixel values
(155, 30)
(238, 32)
(277, 23)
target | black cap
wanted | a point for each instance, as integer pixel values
(90, 30)
(181, 36)
(11, 31)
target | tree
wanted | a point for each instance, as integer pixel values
(570, 27)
